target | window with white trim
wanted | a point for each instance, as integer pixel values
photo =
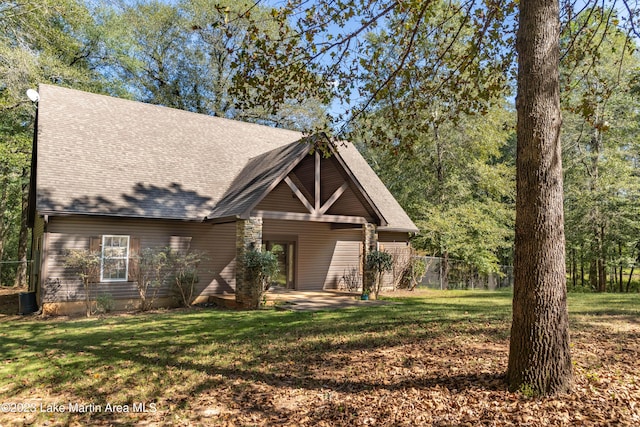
(114, 265)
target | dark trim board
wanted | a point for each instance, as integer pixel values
(309, 217)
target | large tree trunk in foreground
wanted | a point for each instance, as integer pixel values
(539, 357)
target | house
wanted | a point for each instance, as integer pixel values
(115, 176)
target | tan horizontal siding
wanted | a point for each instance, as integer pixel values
(216, 272)
(331, 177)
(322, 253)
(36, 256)
(282, 199)
(349, 204)
(38, 227)
(305, 172)
(393, 247)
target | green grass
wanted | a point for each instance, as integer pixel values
(170, 357)
(75, 356)
(604, 304)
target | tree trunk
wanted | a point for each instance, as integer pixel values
(593, 274)
(442, 197)
(602, 275)
(620, 264)
(637, 261)
(574, 268)
(539, 356)
(602, 262)
(581, 269)
(23, 240)
(444, 270)
(3, 209)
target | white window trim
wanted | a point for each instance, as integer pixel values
(126, 275)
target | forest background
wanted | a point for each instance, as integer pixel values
(436, 122)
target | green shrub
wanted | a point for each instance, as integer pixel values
(260, 268)
(415, 272)
(150, 268)
(185, 275)
(86, 264)
(105, 302)
(528, 391)
(378, 262)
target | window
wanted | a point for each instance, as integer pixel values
(115, 259)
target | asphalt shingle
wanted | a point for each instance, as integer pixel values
(109, 156)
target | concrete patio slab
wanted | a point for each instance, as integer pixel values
(289, 299)
(286, 299)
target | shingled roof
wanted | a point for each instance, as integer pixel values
(99, 155)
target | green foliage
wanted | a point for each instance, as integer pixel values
(196, 55)
(150, 269)
(41, 41)
(528, 391)
(445, 156)
(377, 263)
(182, 54)
(457, 181)
(86, 264)
(105, 303)
(259, 270)
(600, 130)
(413, 274)
(261, 267)
(184, 267)
(377, 53)
(154, 268)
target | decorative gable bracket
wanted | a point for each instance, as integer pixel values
(316, 208)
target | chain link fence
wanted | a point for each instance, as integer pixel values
(462, 275)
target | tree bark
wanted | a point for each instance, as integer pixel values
(3, 208)
(539, 356)
(574, 268)
(620, 265)
(23, 240)
(602, 262)
(593, 272)
(581, 269)
(444, 252)
(444, 270)
(602, 275)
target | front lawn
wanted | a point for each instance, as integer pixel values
(437, 358)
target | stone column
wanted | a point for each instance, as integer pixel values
(248, 236)
(370, 239)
